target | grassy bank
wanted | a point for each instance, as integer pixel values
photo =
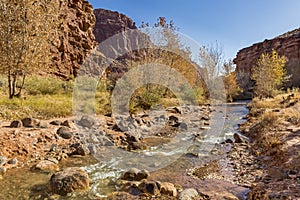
(49, 97)
(43, 97)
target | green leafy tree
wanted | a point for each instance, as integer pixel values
(269, 74)
(27, 29)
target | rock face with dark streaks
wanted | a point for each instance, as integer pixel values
(287, 44)
(75, 38)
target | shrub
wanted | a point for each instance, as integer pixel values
(269, 119)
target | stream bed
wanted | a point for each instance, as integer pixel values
(22, 183)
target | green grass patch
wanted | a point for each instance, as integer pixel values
(38, 106)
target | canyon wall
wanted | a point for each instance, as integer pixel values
(75, 38)
(287, 44)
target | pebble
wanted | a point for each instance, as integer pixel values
(188, 194)
(3, 170)
(13, 161)
(2, 160)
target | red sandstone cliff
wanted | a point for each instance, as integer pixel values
(287, 44)
(75, 37)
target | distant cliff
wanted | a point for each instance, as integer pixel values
(122, 40)
(287, 44)
(109, 23)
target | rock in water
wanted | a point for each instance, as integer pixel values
(135, 175)
(240, 138)
(69, 180)
(46, 166)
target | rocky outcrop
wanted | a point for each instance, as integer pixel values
(109, 23)
(287, 44)
(75, 38)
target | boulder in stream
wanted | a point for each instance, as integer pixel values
(135, 175)
(69, 180)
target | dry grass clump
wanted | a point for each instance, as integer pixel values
(292, 114)
(269, 119)
(270, 114)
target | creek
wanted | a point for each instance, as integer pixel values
(22, 183)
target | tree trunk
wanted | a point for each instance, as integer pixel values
(22, 86)
(10, 86)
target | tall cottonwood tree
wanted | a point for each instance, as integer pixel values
(268, 74)
(169, 50)
(27, 29)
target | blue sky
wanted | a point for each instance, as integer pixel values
(233, 23)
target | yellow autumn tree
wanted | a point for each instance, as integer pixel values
(27, 29)
(168, 51)
(230, 83)
(268, 74)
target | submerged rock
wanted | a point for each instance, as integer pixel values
(46, 166)
(69, 180)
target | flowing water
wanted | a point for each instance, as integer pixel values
(25, 184)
